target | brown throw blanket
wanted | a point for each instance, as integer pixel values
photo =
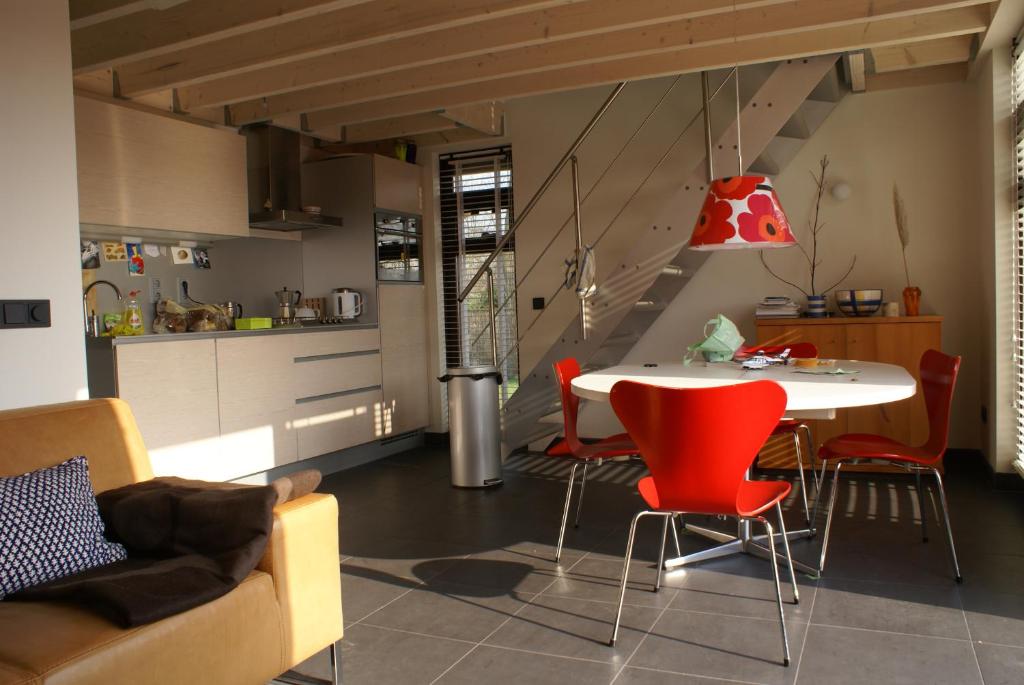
(188, 543)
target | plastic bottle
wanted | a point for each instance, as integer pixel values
(132, 318)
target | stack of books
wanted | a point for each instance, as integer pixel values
(777, 308)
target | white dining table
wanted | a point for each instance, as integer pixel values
(808, 396)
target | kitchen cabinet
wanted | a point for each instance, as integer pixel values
(329, 423)
(337, 390)
(892, 340)
(228, 405)
(256, 401)
(403, 341)
(396, 186)
(172, 389)
(157, 173)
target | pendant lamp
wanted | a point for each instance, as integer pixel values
(739, 211)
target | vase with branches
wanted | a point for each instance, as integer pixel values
(810, 251)
(911, 294)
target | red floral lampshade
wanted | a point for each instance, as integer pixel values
(741, 212)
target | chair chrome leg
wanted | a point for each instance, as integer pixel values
(803, 482)
(920, 504)
(828, 520)
(625, 574)
(565, 512)
(778, 589)
(661, 554)
(949, 530)
(789, 557)
(579, 497)
(675, 534)
(810, 454)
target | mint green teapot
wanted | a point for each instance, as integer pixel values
(721, 340)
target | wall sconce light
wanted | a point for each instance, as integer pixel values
(841, 191)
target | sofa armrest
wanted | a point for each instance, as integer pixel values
(302, 557)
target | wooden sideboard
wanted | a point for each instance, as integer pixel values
(893, 340)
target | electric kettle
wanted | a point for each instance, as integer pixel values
(346, 303)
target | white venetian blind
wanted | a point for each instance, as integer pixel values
(476, 212)
(1017, 87)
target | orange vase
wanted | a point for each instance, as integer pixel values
(912, 301)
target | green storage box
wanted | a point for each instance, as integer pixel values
(253, 323)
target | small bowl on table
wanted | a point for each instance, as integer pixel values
(859, 302)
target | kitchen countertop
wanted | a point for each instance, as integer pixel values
(166, 337)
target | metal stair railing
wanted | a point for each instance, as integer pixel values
(569, 157)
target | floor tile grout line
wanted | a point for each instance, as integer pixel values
(887, 632)
(695, 675)
(639, 644)
(807, 632)
(418, 634)
(970, 638)
(692, 611)
(505, 622)
(418, 585)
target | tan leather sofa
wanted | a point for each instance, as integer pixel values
(283, 613)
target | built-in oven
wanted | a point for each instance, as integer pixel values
(399, 247)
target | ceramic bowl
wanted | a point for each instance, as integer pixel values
(859, 302)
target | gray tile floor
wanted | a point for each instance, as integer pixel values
(458, 586)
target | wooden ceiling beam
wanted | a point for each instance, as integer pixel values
(88, 12)
(364, 24)
(706, 38)
(857, 69)
(492, 35)
(765, 49)
(155, 31)
(928, 53)
(402, 127)
(651, 19)
(910, 78)
(486, 117)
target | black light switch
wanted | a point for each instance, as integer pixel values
(39, 313)
(15, 313)
(24, 313)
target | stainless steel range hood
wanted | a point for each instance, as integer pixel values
(274, 166)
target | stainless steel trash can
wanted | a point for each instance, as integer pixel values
(474, 425)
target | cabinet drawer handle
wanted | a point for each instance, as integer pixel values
(334, 355)
(332, 395)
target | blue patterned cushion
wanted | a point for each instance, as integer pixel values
(50, 527)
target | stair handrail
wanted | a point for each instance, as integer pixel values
(521, 336)
(622, 149)
(584, 134)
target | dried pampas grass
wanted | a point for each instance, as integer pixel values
(902, 229)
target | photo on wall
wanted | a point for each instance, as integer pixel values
(90, 254)
(202, 257)
(114, 252)
(136, 262)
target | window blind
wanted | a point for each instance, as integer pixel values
(476, 211)
(1017, 91)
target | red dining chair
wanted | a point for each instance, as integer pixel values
(574, 449)
(698, 445)
(938, 380)
(793, 427)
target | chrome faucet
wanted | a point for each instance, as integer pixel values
(92, 324)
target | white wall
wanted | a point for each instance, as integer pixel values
(922, 138)
(40, 202)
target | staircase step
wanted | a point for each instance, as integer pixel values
(554, 417)
(649, 306)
